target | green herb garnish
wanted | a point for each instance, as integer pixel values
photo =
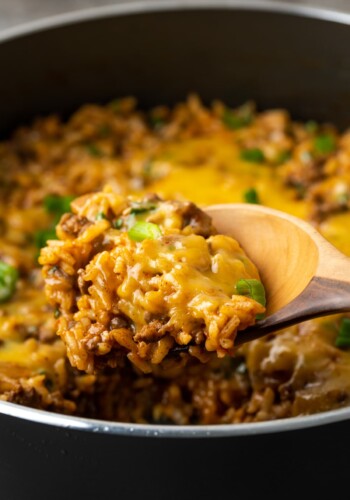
(8, 280)
(253, 155)
(142, 207)
(300, 190)
(156, 122)
(117, 224)
(343, 339)
(57, 205)
(238, 118)
(251, 196)
(101, 216)
(144, 230)
(94, 150)
(41, 237)
(254, 289)
(283, 156)
(57, 313)
(234, 121)
(311, 126)
(324, 144)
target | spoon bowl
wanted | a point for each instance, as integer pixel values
(304, 275)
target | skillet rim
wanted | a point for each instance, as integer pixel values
(153, 430)
(145, 7)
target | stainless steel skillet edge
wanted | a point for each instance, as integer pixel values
(143, 7)
(173, 431)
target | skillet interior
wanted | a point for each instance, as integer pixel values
(280, 60)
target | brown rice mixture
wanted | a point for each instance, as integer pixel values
(190, 152)
(137, 278)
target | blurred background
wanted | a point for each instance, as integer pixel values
(13, 12)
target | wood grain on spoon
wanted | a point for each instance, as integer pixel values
(304, 275)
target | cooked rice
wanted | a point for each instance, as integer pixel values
(119, 297)
(188, 152)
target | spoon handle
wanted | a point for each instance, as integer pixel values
(322, 296)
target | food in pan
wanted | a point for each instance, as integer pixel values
(190, 152)
(138, 278)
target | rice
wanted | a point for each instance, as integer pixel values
(193, 152)
(121, 296)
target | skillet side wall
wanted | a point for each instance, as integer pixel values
(40, 462)
(282, 60)
(298, 63)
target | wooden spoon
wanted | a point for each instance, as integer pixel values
(304, 276)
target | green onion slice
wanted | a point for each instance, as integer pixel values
(253, 155)
(57, 205)
(141, 207)
(8, 280)
(324, 144)
(156, 122)
(234, 121)
(101, 216)
(343, 339)
(311, 126)
(251, 196)
(41, 237)
(117, 224)
(254, 289)
(283, 157)
(239, 117)
(94, 150)
(144, 230)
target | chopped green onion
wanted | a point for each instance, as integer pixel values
(117, 224)
(254, 289)
(300, 189)
(42, 236)
(251, 196)
(94, 150)
(343, 339)
(324, 144)
(141, 207)
(57, 205)
(240, 117)
(156, 122)
(283, 156)
(57, 313)
(100, 216)
(8, 280)
(235, 121)
(144, 230)
(253, 155)
(311, 126)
